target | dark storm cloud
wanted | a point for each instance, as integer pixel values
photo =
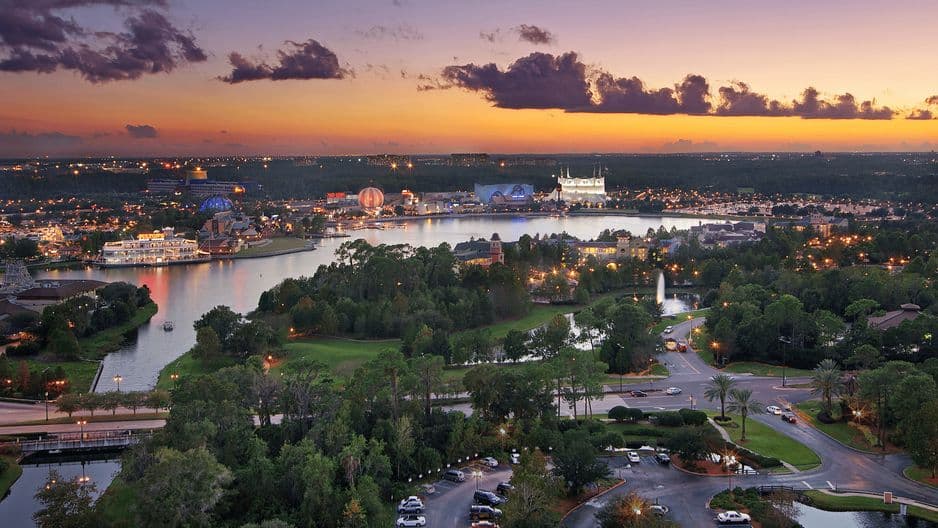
(534, 34)
(542, 80)
(33, 37)
(18, 144)
(933, 100)
(141, 131)
(306, 60)
(539, 80)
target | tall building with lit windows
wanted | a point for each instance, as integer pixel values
(590, 190)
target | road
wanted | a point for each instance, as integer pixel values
(687, 495)
(449, 505)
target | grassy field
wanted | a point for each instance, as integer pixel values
(276, 245)
(539, 315)
(920, 475)
(764, 369)
(188, 366)
(839, 431)
(9, 475)
(766, 441)
(649, 433)
(343, 356)
(109, 340)
(80, 374)
(835, 503)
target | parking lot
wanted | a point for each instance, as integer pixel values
(449, 505)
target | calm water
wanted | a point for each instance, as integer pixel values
(814, 518)
(16, 511)
(184, 293)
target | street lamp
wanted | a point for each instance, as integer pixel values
(787, 341)
(81, 424)
(118, 378)
(47, 405)
(175, 377)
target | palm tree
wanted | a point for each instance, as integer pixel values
(741, 403)
(826, 381)
(719, 386)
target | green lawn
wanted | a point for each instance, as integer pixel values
(99, 344)
(836, 503)
(839, 431)
(80, 374)
(702, 345)
(764, 369)
(343, 356)
(9, 475)
(920, 475)
(275, 245)
(115, 507)
(768, 442)
(187, 366)
(539, 315)
(643, 432)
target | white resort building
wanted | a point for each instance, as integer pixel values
(580, 190)
(151, 249)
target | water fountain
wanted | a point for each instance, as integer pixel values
(659, 294)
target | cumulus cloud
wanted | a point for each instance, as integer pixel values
(34, 37)
(920, 114)
(539, 80)
(141, 131)
(534, 34)
(398, 32)
(542, 80)
(299, 60)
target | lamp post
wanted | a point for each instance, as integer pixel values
(118, 378)
(175, 377)
(785, 341)
(47, 405)
(81, 425)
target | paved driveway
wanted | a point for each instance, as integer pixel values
(449, 506)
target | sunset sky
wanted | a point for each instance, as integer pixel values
(128, 77)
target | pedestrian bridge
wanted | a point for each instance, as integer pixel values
(74, 442)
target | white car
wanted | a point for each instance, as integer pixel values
(411, 520)
(668, 329)
(772, 409)
(410, 502)
(659, 509)
(490, 462)
(672, 391)
(633, 457)
(733, 517)
(515, 458)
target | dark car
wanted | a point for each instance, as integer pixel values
(503, 488)
(639, 394)
(487, 498)
(478, 512)
(663, 458)
(410, 508)
(789, 417)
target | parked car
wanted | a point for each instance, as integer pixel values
(411, 504)
(503, 488)
(733, 517)
(490, 462)
(659, 509)
(668, 329)
(410, 508)
(454, 475)
(479, 512)
(772, 409)
(633, 457)
(487, 498)
(663, 459)
(672, 391)
(789, 417)
(411, 520)
(639, 394)
(484, 524)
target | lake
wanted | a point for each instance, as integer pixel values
(184, 293)
(810, 517)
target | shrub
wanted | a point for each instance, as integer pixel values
(825, 417)
(693, 417)
(722, 419)
(619, 413)
(670, 419)
(610, 439)
(635, 415)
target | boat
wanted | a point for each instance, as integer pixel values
(161, 248)
(168, 326)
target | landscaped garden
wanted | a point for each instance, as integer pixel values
(766, 441)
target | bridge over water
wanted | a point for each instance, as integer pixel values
(54, 443)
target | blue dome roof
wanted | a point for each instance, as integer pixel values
(215, 204)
